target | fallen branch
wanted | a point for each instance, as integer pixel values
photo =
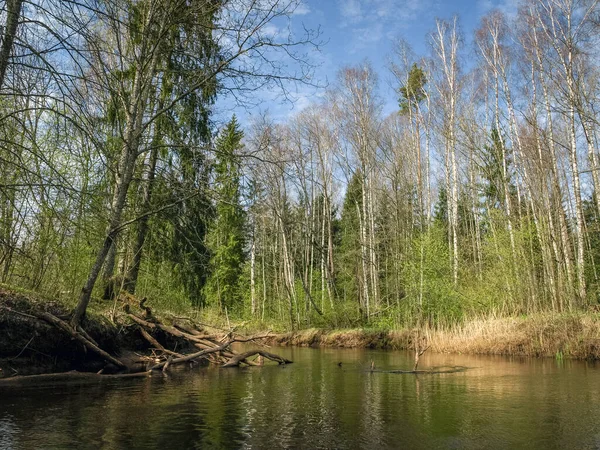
(198, 341)
(166, 366)
(171, 330)
(87, 336)
(237, 359)
(212, 350)
(191, 356)
(192, 332)
(53, 320)
(421, 346)
(157, 344)
(418, 353)
(23, 349)
(19, 313)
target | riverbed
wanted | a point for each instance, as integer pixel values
(496, 402)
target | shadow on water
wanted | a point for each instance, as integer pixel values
(471, 402)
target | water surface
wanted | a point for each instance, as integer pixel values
(497, 403)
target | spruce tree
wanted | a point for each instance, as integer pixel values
(226, 237)
(349, 249)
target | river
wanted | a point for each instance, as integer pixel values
(497, 403)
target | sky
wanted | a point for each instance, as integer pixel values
(357, 30)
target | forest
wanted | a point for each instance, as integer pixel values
(474, 199)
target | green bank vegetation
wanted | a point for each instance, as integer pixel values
(473, 202)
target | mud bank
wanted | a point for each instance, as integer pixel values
(129, 339)
(30, 346)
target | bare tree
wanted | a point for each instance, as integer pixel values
(446, 41)
(357, 110)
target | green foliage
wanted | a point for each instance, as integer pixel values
(592, 219)
(189, 253)
(492, 171)
(496, 159)
(440, 211)
(58, 181)
(432, 299)
(413, 92)
(227, 236)
(349, 250)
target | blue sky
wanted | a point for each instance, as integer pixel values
(355, 30)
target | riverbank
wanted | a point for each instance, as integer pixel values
(574, 335)
(30, 346)
(125, 338)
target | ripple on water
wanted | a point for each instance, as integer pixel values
(313, 403)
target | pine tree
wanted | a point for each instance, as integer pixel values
(413, 92)
(226, 237)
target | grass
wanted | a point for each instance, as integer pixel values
(566, 335)
(574, 335)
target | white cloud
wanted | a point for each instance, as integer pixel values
(351, 11)
(483, 6)
(368, 35)
(370, 18)
(390, 11)
(507, 7)
(272, 31)
(302, 9)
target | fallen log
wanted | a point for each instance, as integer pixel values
(161, 355)
(53, 320)
(217, 349)
(198, 341)
(152, 325)
(191, 331)
(237, 359)
(167, 364)
(217, 357)
(157, 345)
(191, 356)
(432, 371)
(87, 336)
(70, 375)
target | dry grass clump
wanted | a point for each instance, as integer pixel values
(566, 335)
(574, 335)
